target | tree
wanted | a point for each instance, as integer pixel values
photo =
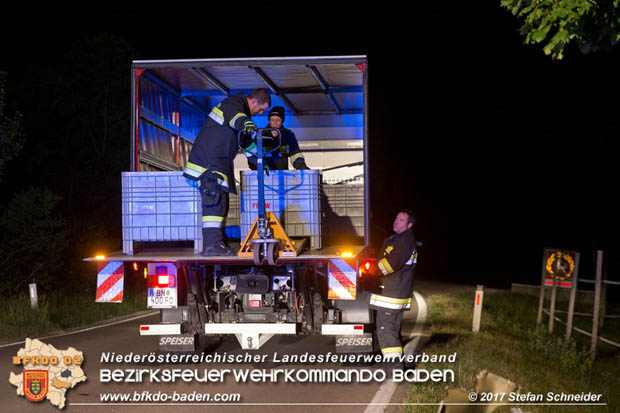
(591, 25)
(11, 136)
(79, 112)
(33, 241)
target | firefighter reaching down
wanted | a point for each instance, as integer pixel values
(395, 266)
(210, 162)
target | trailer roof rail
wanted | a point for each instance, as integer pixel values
(257, 61)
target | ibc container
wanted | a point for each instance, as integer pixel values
(293, 196)
(342, 212)
(233, 231)
(160, 206)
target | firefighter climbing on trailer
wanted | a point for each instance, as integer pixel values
(395, 266)
(210, 163)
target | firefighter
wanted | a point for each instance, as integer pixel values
(395, 266)
(210, 163)
(289, 148)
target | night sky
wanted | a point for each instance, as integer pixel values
(499, 150)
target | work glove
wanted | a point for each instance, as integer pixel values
(254, 166)
(300, 163)
(249, 126)
(192, 183)
(252, 163)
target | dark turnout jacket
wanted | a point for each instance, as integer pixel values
(397, 260)
(278, 160)
(217, 145)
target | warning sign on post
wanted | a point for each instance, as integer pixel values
(560, 265)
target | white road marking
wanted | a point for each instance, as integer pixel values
(387, 389)
(84, 329)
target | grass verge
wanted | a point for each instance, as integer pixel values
(60, 311)
(509, 345)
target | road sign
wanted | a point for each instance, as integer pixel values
(559, 265)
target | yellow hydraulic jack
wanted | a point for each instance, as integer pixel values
(266, 238)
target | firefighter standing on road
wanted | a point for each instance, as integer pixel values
(210, 162)
(289, 147)
(397, 260)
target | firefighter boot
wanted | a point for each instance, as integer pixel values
(213, 243)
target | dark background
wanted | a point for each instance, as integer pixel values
(500, 150)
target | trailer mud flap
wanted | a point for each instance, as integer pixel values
(354, 344)
(177, 343)
(341, 280)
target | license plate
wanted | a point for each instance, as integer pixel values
(162, 298)
(354, 344)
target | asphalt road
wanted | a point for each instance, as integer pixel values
(280, 396)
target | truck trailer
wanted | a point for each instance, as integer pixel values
(316, 281)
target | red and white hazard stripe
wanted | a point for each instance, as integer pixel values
(342, 280)
(110, 280)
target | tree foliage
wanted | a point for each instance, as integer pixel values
(34, 238)
(79, 112)
(591, 25)
(11, 136)
(77, 121)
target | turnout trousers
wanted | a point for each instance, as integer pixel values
(388, 332)
(214, 198)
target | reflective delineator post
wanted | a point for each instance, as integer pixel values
(34, 300)
(475, 327)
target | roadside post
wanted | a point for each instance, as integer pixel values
(541, 301)
(603, 305)
(34, 300)
(475, 327)
(554, 292)
(573, 295)
(597, 302)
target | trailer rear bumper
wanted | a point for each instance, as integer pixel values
(252, 328)
(342, 329)
(252, 336)
(160, 329)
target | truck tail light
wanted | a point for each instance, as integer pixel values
(367, 267)
(254, 303)
(161, 281)
(161, 278)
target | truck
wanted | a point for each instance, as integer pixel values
(315, 280)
